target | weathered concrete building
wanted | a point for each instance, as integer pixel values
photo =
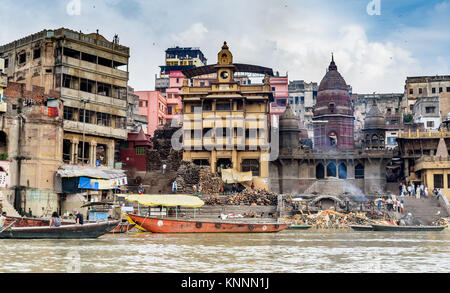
(31, 134)
(334, 166)
(227, 123)
(426, 110)
(424, 86)
(91, 73)
(302, 98)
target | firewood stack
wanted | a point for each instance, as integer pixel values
(256, 197)
(213, 201)
(188, 175)
(210, 182)
(162, 150)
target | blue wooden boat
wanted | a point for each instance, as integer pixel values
(407, 228)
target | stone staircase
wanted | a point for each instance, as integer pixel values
(425, 209)
(156, 181)
(9, 209)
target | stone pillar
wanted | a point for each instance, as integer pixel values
(75, 151)
(110, 154)
(93, 153)
(406, 168)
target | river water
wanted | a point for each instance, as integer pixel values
(289, 251)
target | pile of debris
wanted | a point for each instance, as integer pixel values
(253, 197)
(330, 219)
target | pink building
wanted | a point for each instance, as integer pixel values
(153, 105)
(174, 103)
(279, 86)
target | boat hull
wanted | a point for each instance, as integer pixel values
(157, 225)
(361, 228)
(31, 222)
(89, 230)
(407, 228)
(299, 227)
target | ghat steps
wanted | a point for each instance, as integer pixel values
(425, 209)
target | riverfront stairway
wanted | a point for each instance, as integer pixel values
(425, 209)
(9, 209)
(156, 181)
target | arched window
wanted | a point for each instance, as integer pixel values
(359, 171)
(320, 171)
(374, 141)
(332, 136)
(342, 171)
(331, 170)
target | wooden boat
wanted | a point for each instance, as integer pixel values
(32, 222)
(90, 230)
(407, 228)
(160, 225)
(122, 228)
(361, 228)
(299, 227)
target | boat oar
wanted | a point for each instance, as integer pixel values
(9, 226)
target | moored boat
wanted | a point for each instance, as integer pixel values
(160, 225)
(407, 228)
(299, 227)
(361, 228)
(90, 230)
(31, 222)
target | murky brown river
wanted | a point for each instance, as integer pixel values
(288, 251)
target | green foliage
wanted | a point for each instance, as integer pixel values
(3, 156)
(407, 118)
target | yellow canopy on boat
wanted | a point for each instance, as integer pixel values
(167, 200)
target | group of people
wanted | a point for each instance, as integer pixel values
(418, 191)
(391, 203)
(55, 221)
(198, 190)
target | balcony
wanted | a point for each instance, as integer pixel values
(89, 66)
(94, 99)
(97, 130)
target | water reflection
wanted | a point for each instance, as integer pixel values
(288, 251)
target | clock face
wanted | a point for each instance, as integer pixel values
(224, 74)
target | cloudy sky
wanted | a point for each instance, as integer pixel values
(373, 52)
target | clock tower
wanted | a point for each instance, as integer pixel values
(225, 67)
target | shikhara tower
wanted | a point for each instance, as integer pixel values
(333, 113)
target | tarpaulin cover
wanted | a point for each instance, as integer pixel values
(101, 184)
(231, 176)
(167, 200)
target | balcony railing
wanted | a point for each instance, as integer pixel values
(428, 134)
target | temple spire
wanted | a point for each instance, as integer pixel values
(332, 64)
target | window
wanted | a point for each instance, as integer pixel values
(69, 113)
(331, 170)
(104, 62)
(411, 91)
(88, 58)
(70, 82)
(359, 171)
(103, 119)
(22, 58)
(448, 180)
(223, 107)
(331, 106)
(140, 151)
(250, 165)
(438, 181)
(87, 85)
(37, 53)
(433, 90)
(430, 124)
(7, 64)
(207, 106)
(104, 89)
(440, 90)
(420, 91)
(302, 100)
(296, 100)
(89, 116)
(320, 171)
(430, 110)
(448, 88)
(169, 110)
(71, 53)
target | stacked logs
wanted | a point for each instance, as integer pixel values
(210, 183)
(213, 201)
(188, 175)
(330, 219)
(163, 151)
(253, 197)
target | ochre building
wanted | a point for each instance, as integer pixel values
(226, 124)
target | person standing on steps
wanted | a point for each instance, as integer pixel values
(164, 166)
(174, 187)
